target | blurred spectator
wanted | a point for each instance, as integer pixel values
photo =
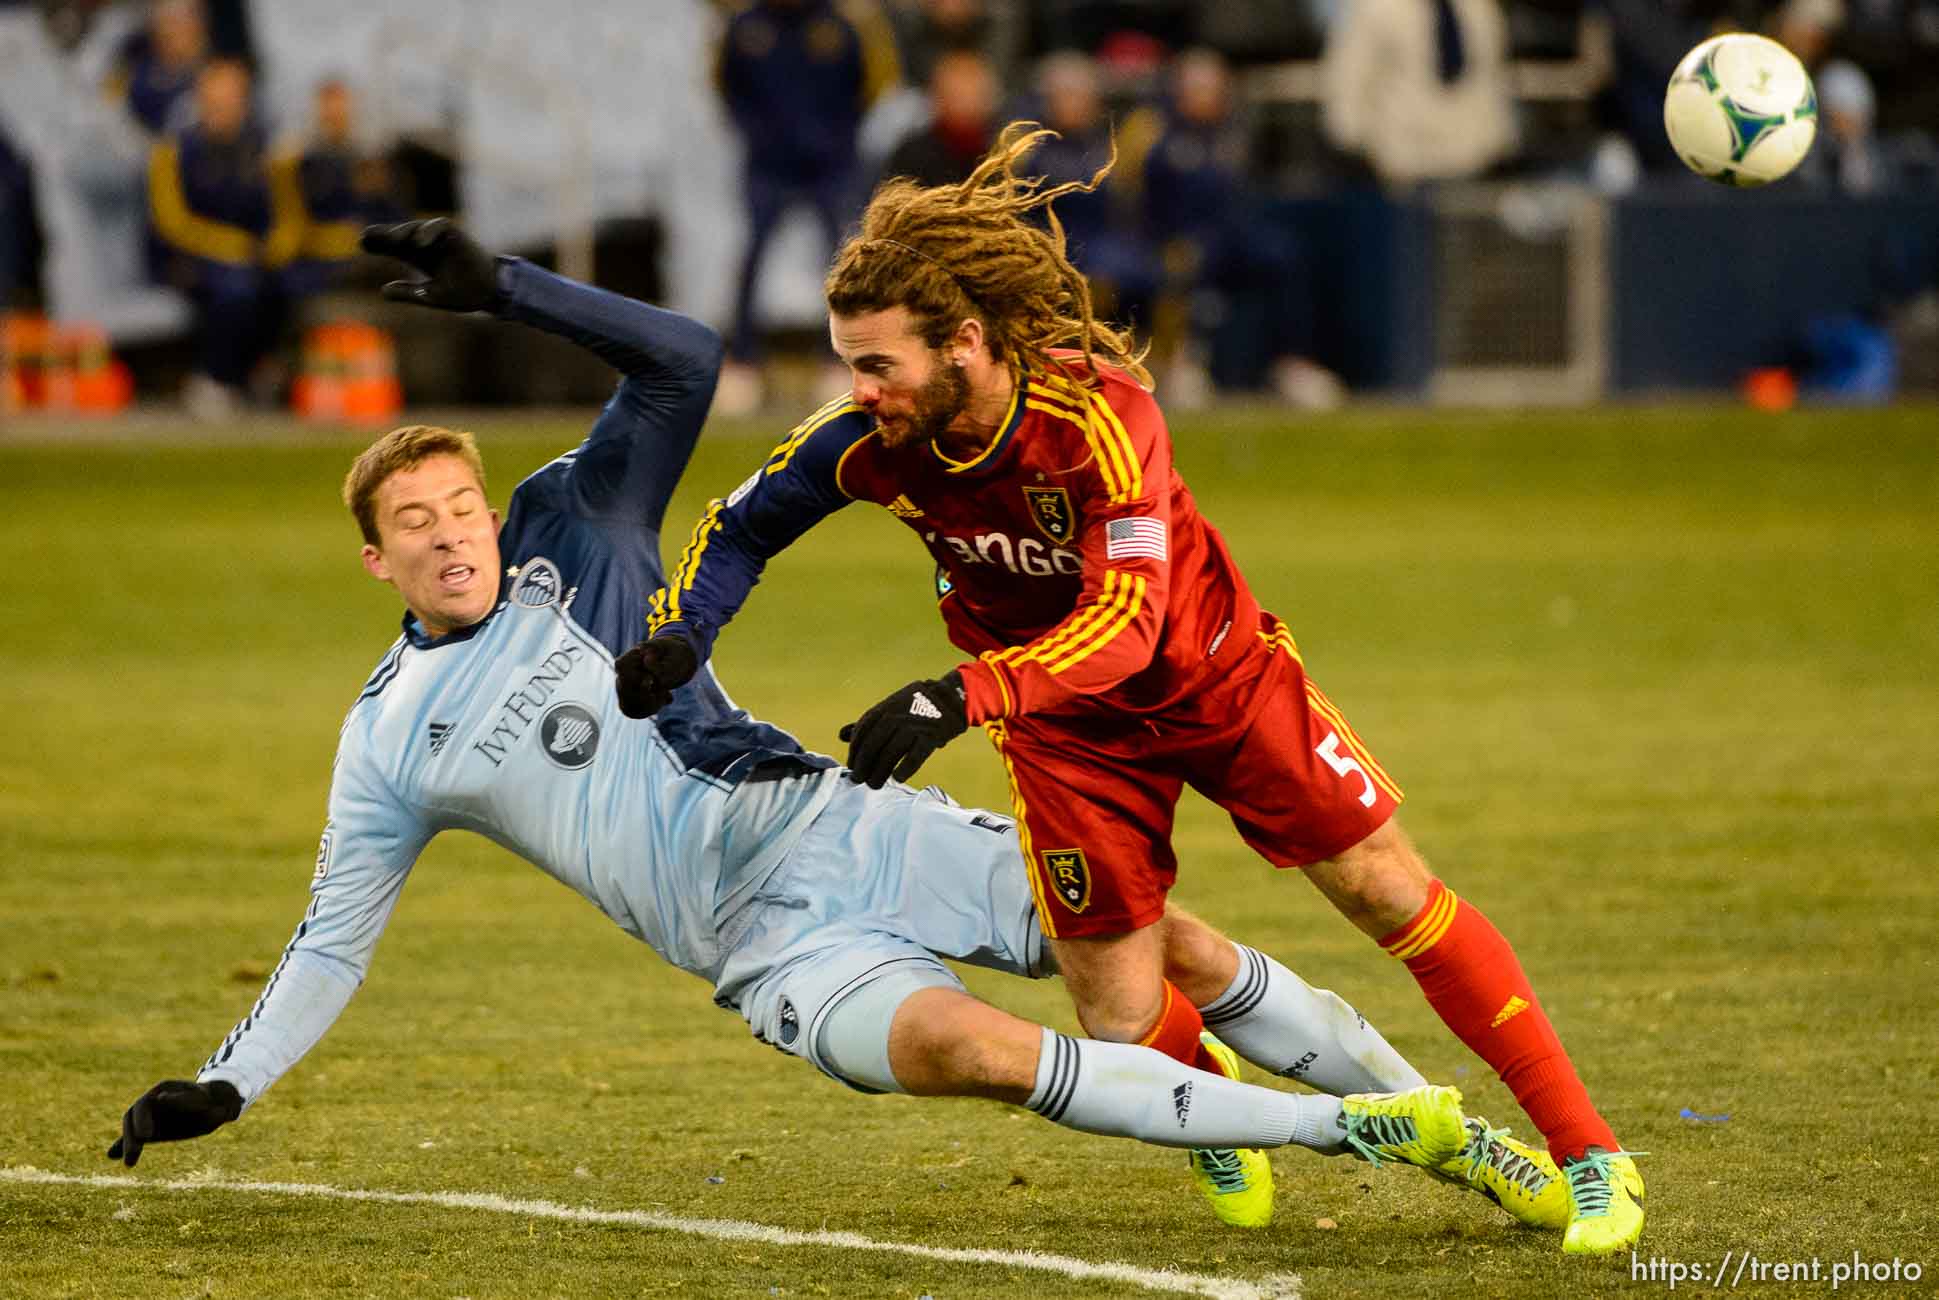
(925, 30)
(1806, 28)
(1129, 36)
(1222, 259)
(1420, 87)
(344, 186)
(797, 76)
(226, 221)
(963, 101)
(1100, 233)
(1896, 42)
(155, 68)
(1848, 154)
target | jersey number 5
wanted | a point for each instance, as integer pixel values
(1345, 765)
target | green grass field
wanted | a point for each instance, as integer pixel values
(1662, 685)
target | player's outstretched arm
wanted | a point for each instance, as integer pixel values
(628, 465)
(797, 487)
(172, 1111)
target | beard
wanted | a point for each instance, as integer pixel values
(936, 403)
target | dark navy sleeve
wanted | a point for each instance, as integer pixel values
(626, 469)
(793, 490)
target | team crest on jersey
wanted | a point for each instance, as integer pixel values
(538, 584)
(570, 736)
(1070, 876)
(1050, 510)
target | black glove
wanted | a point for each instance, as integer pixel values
(172, 1110)
(898, 735)
(462, 275)
(647, 675)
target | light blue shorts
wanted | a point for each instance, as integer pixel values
(881, 885)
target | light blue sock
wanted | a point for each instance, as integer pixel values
(1120, 1090)
(1280, 1023)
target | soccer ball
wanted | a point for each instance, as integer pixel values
(1741, 110)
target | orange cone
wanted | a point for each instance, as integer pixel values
(371, 392)
(57, 371)
(317, 393)
(1771, 389)
(101, 385)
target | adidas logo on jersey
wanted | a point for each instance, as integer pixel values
(440, 732)
(922, 708)
(903, 508)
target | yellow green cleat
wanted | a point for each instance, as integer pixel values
(1238, 1183)
(1422, 1126)
(1605, 1202)
(1521, 1179)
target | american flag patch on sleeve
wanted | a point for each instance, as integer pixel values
(1134, 539)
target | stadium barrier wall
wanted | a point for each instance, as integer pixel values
(1700, 287)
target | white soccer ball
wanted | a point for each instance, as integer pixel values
(1741, 110)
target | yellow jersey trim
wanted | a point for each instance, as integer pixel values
(1012, 417)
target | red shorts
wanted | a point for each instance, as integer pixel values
(1094, 796)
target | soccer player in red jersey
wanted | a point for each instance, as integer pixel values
(1116, 653)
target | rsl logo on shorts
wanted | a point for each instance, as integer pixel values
(1070, 876)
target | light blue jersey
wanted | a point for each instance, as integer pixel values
(671, 826)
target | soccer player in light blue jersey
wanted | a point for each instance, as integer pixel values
(817, 908)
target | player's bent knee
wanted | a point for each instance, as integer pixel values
(1200, 961)
(852, 1041)
(1384, 863)
(1116, 982)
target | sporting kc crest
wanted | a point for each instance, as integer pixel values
(538, 584)
(1070, 876)
(1050, 508)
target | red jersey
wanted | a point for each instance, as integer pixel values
(1072, 562)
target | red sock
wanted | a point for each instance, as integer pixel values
(1473, 980)
(1177, 1030)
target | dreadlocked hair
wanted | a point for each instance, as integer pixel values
(949, 252)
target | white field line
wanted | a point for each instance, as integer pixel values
(1286, 1287)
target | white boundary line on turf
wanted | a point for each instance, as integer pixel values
(1285, 1287)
